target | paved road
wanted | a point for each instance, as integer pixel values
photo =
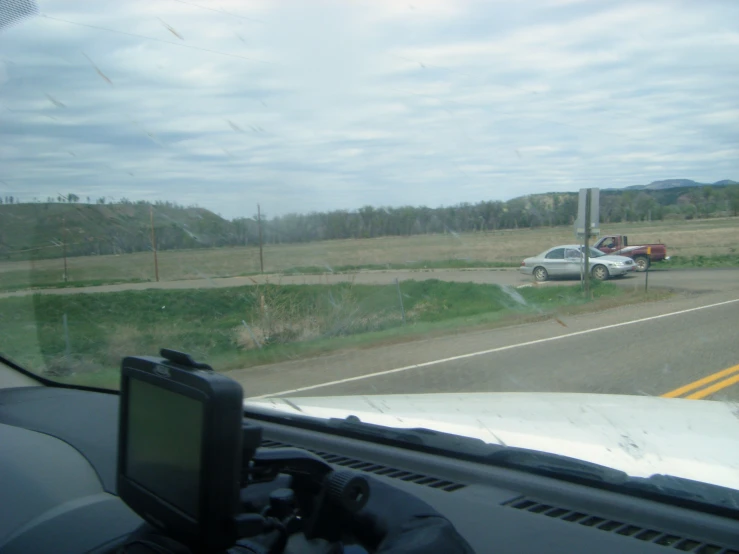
(688, 279)
(629, 350)
(651, 349)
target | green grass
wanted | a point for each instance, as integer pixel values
(287, 322)
(717, 261)
(37, 279)
(714, 237)
(35, 230)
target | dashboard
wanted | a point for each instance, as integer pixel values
(58, 489)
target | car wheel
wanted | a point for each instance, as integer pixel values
(642, 263)
(540, 274)
(600, 272)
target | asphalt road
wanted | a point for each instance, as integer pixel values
(649, 349)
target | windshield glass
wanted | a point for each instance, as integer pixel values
(593, 252)
(343, 200)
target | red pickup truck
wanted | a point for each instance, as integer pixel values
(642, 254)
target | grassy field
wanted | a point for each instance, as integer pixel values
(714, 240)
(717, 260)
(245, 326)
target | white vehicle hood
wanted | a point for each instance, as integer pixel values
(694, 439)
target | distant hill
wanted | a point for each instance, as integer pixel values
(38, 230)
(676, 183)
(46, 230)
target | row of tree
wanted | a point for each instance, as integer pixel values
(525, 212)
(125, 226)
(72, 198)
(61, 199)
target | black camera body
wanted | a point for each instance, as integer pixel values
(180, 448)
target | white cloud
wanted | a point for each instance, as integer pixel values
(312, 106)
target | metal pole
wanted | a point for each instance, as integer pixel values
(261, 253)
(646, 277)
(400, 297)
(64, 246)
(586, 250)
(154, 243)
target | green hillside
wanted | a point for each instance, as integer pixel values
(39, 230)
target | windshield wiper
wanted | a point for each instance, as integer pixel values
(544, 463)
(495, 454)
(662, 488)
(686, 489)
(417, 438)
(556, 465)
(473, 449)
(553, 465)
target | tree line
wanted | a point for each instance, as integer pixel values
(123, 226)
(524, 212)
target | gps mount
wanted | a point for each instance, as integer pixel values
(195, 470)
(290, 490)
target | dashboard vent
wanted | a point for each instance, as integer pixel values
(377, 469)
(678, 543)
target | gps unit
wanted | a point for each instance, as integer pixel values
(179, 448)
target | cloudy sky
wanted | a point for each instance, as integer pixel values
(314, 105)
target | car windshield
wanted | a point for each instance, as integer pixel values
(594, 253)
(341, 204)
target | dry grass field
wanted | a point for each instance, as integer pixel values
(683, 238)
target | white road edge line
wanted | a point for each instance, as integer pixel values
(490, 351)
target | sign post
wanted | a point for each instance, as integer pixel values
(259, 225)
(586, 251)
(154, 244)
(64, 247)
(587, 225)
(594, 204)
(646, 277)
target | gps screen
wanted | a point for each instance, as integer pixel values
(164, 443)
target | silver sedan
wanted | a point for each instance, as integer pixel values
(567, 261)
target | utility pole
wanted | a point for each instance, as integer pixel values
(259, 225)
(154, 243)
(586, 250)
(64, 246)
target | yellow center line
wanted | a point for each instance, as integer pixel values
(714, 388)
(705, 381)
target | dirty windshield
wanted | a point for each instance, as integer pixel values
(342, 206)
